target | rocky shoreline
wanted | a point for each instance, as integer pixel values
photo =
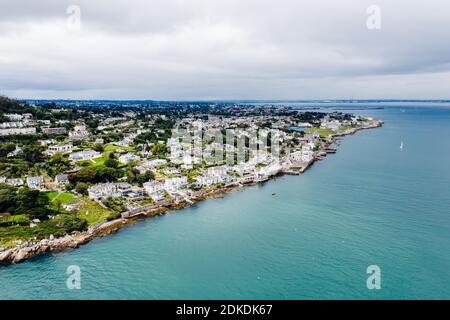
(30, 248)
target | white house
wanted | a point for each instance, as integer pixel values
(331, 124)
(151, 187)
(208, 180)
(12, 131)
(243, 169)
(308, 146)
(14, 116)
(17, 182)
(126, 158)
(175, 183)
(150, 165)
(61, 179)
(136, 194)
(103, 191)
(35, 182)
(79, 132)
(219, 171)
(171, 171)
(62, 148)
(86, 154)
(270, 170)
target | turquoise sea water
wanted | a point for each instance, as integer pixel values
(370, 203)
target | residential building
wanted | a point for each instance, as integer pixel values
(14, 116)
(86, 154)
(61, 148)
(16, 182)
(79, 132)
(136, 194)
(54, 131)
(208, 180)
(18, 131)
(219, 171)
(175, 183)
(102, 191)
(62, 179)
(157, 196)
(150, 165)
(35, 182)
(153, 186)
(126, 158)
(331, 124)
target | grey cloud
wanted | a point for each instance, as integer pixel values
(224, 49)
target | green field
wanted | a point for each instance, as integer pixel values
(63, 197)
(114, 148)
(91, 211)
(323, 132)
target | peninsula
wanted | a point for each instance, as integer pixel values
(71, 171)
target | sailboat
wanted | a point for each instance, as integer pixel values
(401, 146)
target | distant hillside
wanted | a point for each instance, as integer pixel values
(8, 105)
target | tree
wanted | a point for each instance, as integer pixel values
(6, 148)
(7, 197)
(147, 176)
(82, 188)
(104, 173)
(87, 174)
(32, 202)
(111, 163)
(98, 147)
(33, 154)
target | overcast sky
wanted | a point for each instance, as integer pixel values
(224, 49)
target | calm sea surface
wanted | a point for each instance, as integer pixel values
(369, 204)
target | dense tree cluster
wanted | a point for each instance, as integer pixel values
(24, 201)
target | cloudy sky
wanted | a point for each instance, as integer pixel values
(224, 49)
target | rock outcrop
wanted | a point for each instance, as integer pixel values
(29, 249)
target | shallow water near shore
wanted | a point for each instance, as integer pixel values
(369, 204)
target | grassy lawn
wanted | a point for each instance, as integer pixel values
(51, 195)
(16, 219)
(323, 132)
(145, 202)
(67, 197)
(91, 211)
(94, 162)
(63, 197)
(113, 148)
(101, 160)
(344, 128)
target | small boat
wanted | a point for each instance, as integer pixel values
(274, 194)
(401, 145)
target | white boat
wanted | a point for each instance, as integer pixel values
(401, 145)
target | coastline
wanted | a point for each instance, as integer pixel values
(31, 249)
